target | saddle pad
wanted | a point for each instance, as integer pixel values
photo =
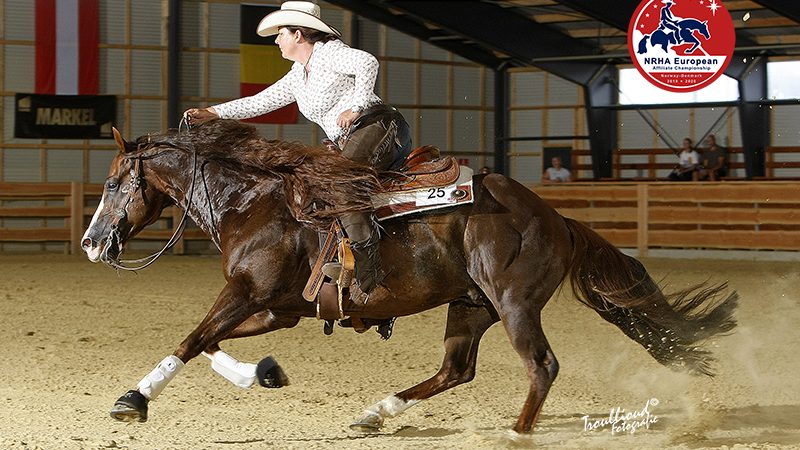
(395, 204)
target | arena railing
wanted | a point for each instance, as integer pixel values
(68, 201)
(746, 215)
(750, 215)
(661, 160)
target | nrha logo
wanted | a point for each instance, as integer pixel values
(681, 45)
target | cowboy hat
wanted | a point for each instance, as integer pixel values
(294, 14)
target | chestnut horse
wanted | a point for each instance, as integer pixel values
(498, 259)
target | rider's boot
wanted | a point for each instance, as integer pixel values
(364, 237)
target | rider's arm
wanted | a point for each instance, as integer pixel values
(273, 97)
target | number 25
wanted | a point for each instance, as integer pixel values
(434, 193)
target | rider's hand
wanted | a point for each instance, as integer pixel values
(347, 118)
(197, 116)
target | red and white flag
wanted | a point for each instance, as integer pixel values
(67, 52)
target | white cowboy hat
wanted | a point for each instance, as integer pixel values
(295, 14)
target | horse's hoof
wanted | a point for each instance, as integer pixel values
(131, 407)
(370, 422)
(270, 374)
(385, 328)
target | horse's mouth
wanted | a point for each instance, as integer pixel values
(112, 249)
(107, 251)
(93, 253)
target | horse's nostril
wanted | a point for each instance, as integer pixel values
(86, 243)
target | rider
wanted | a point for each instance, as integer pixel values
(668, 20)
(333, 86)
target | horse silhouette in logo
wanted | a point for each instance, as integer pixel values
(665, 37)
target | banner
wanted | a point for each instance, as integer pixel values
(64, 116)
(261, 63)
(67, 51)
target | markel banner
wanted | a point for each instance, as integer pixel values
(64, 116)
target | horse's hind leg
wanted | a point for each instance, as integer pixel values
(541, 364)
(519, 272)
(519, 303)
(465, 327)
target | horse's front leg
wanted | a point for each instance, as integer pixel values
(688, 38)
(233, 306)
(243, 374)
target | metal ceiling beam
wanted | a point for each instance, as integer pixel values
(618, 17)
(381, 14)
(502, 29)
(789, 9)
(505, 30)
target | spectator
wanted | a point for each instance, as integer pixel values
(714, 162)
(557, 173)
(687, 165)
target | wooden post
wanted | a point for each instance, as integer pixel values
(770, 165)
(75, 217)
(651, 160)
(641, 218)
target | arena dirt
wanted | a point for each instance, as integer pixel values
(76, 336)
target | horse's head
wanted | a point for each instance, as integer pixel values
(130, 202)
(703, 29)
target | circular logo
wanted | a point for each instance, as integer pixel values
(681, 45)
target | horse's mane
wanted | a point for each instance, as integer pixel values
(319, 184)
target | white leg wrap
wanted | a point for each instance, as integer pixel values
(239, 373)
(391, 406)
(157, 380)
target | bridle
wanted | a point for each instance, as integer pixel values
(135, 184)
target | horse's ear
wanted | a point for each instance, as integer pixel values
(120, 142)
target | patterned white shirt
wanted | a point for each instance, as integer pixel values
(340, 78)
(689, 158)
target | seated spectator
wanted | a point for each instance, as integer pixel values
(687, 165)
(714, 162)
(556, 174)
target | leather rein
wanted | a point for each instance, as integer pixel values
(122, 213)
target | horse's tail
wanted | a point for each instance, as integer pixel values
(643, 44)
(619, 289)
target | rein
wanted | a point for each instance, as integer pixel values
(122, 213)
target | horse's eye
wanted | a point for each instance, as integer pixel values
(111, 185)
